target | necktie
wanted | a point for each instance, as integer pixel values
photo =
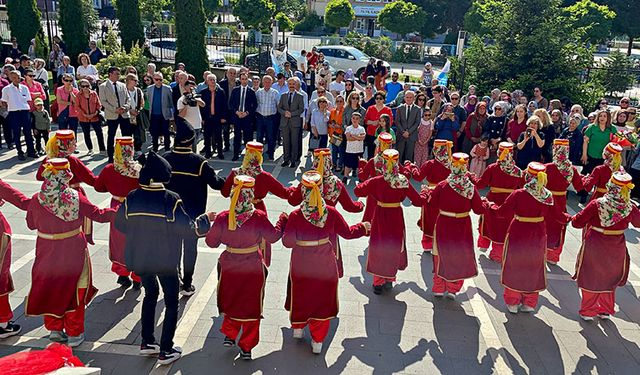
(115, 88)
(242, 93)
(290, 99)
(213, 102)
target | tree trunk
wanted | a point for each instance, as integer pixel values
(630, 47)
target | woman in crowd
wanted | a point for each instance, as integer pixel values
(601, 105)
(600, 175)
(575, 137)
(447, 124)
(42, 76)
(67, 112)
(576, 109)
(596, 138)
(371, 121)
(557, 122)
(421, 101)
(381, 75)
(532, 106)
(88, 105)
(495, 127)
(471, 104)
(66, 68)
(86, 70)
(138, 119)
(368, 98)
(474, 127)
(425, 130)
(55, 61)
(349, 87)
(35, 88)
(620, 123)
(312, 292)
(320, 122)
(242, 272)
(531, 143)
(336, 133)
(352, 105)
(384, 126)
(518, 123)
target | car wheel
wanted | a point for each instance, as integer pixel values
(359, 74)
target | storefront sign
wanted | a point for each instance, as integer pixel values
(367, 11)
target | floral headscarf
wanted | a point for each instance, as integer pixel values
(123, 161)
(442, 152)
(241, 207)
(615, 205)
(505, 160)
(536, 178)
(322, 164)
(612, 156)
(252, 162)
(61, 144)
(459, 180)
(561, 158)
(55, 194)
(384, 142)
(392, 171)
(313, 206)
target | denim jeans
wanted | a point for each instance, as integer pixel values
(265, 129)
(337, 154)
(20, 122)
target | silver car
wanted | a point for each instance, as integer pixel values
(165, 50)
(346, 57)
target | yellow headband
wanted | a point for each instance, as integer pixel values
(54, 169)
(503, 154)
(315, 197)
(625, 188)
(238, 185)
(542, 180)
(459, 162)
(249, 153)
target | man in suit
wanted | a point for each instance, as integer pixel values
(227, 84)
(407, 122)
(290, 107)
(161, 111)
(214, 115)
(176, 93)
(116, 102)
(243, 105)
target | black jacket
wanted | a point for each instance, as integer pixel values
(224, 85)
(250, 102)
(191, 175)
(154, 223)
(220, 104)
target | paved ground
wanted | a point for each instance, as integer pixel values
(406, 331)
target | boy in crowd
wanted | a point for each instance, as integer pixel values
(355, 145)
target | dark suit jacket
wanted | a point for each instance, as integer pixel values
(224, 84)
(175, 95)
(220, 104)
(250, 102)
(296, 108)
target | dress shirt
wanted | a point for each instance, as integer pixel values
(267, 101)
(17, 98)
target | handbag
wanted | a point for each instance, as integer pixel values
(314, 142)
(336, 139)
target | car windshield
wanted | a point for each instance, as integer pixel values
(357, 53)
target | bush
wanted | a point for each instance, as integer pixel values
(190, 34)
(377, 47)
(310, 22)
(122, 59)
(405, 53)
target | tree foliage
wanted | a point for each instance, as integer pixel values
(296, 9)
(627, 19)
(151, 10)
(130, 25)
(401, 17)
(254, 13)
(310, 22)
(24, 22)
(284, 22)
(442, 16)
(190, 34)
(76, 32)
(615, 73)
(339, 13)
(121, 58)
(592, 19)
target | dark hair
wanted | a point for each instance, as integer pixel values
(28, 71)
(387, 121)
(380, 93)
(191, 83)
(280, 75)
(24, 57)
(484, 137)
(113, 69)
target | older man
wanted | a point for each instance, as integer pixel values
(214, 116)
(268, 98)
(243, 105)
(227, 84)
(161, 111)
(16, 99)
(117, 103)
(290, 107)
(407, 121)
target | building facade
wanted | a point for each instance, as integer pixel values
(366, 11)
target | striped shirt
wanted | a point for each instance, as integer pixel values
(267, 101)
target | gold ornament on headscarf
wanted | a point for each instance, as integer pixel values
(315, 197)
(239, 183)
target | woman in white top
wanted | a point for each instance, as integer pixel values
(42, 76)
(86, 70)
(138, 124)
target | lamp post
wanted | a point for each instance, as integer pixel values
(46, 16)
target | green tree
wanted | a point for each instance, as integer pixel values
(75, 33)
(594, 20)
(296, 9)
(616, 73)
(474, 20)
(339, 13)
(190, 34)
(24, 22)
(284, 23)
(130, 25)
(627, 20)
(254, 13)
(401, 17)
(150, 10)
(442, 16)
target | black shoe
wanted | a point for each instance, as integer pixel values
(33, 155)
(124, 281)
(344, 180)
(188, 290)
(377, 289)
(583, 199)
(285, 164)
(137, 285)
(245, 355)
(11, 330)
(228, 342)
(388, 285)
(226, 149)
(22, 157)
(235, 158)
(293, 164)
(170, 356)
(149, 349)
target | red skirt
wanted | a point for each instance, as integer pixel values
(387, 250)
(491, 226)
(603, 262)
(555, 230)
(427, 222)
(241, 281)
(456, 256)
(265, 247)
(6, 282)
(524, 257)
(369, 208)
(116, 240)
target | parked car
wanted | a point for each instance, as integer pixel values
(165, 49)
(259, 62)
(346, 57)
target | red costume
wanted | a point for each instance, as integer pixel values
(601, 174)
(434, 171)
(560, 175)
(16, 198)
(603, 261)
(119, 179)
(387, 249)
(62, 144)
(265, 183)
(312, 292)
(242, 273)
(453, 253)
(502, 177)
(61, 284)
(523, 263)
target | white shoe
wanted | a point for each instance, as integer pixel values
(483, 249)
(451, 295)
(527, 309)
(298, 333)
(587, 318)
(438, 294)
(316, 347)
(513, 308)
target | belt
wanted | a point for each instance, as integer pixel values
(117, 198)
(558, 193)
(457, 215)
(319, 242)
(529, 219)
(59, 236)
(601, 190)
(500, 190)
(242, 250)
(388, 205)
(256, 201)
(608, 232)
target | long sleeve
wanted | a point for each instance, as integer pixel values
(363, 189)
(345, 231)
(576, 180)
(228, 184)
(365, 169)
(414, 126)
(592, 179)
(100, 215)
(82, 172)
(415, 197)
(295, 196)
(108, 106)
(423, 172)
(476, 203)
(635, 217)
(209, 175)
(346, 202)
(298, 107)
(289, 237)
(214, 236)
(507, 209)
(10, 194)
(485, 179)
(275, 187)
(120, 221)
(270, 233)
(582, 218)
(100, 184)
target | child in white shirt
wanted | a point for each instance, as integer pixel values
(355, 145)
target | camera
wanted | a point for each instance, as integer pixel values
(190, 99)
(529, 132)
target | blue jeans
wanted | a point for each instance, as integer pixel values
(265, 128)
(20, 122)
(337, 154)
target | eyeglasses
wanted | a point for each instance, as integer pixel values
(369, 88)
(355, 99)
(624, 101)
(455, 99)
(498, 109)
(157, 79)
(84, 86)
(31, 75)
(67, 80)
(339, 101)
(320, 92)
(421, 99)
(379, 98)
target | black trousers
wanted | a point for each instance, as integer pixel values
(212, 130)
(159, 127)
(189, 257)
(40, 135)
(125, 130)
(6, 131)
(242, 131)
(226, 135)
(170, 285)
(86, 131)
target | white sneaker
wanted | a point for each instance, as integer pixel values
(483, 249)
(316, 347)
(513, 308)
(298, 333)
(527, 309)
(587, 318)
(604, 316)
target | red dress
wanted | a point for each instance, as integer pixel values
(16, 198)
(434, 172)
(524, 256)
(603, 261)
(119, 187)
(242, 274)
(492, 227)
(387, 250)
(558, 186)
(368, 169)
(454, 249)
(598, 177)
(312, 291)
(60, 263)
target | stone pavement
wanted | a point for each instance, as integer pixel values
(406, 331)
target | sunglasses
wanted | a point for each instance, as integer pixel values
(320, 92)
(369, 88)
(379, 98)
(624, 101)
(157, 79)
(421, 99)
(67, 80)
(31, 75)
(84, 86)
(498, 109)
(455, 98)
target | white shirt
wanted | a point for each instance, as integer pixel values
(90, 71)
(337, 87)
(193, 116)
(17, 98)
(355, 147)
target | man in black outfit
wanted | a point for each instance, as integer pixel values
(242, 108)
(214, 114)
(191, 174)
(154, 222)
(227, 84)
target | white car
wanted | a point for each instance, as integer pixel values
(165, 50)
(345, 58)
